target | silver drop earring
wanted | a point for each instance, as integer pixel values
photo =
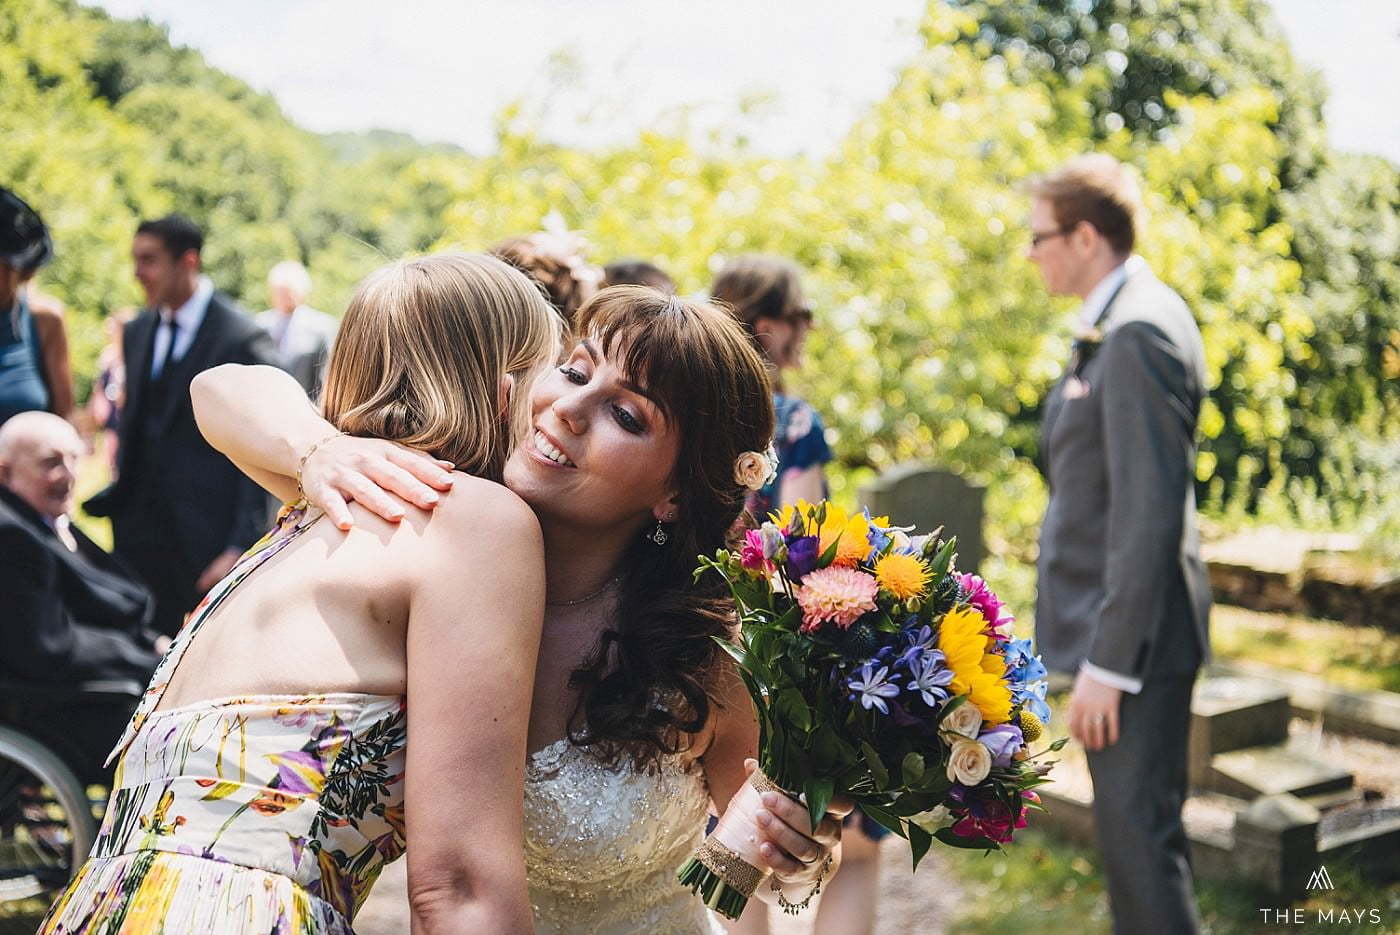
(659, 534)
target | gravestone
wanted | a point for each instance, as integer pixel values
(927, 498)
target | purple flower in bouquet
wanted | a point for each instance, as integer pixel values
(988, 604)
(1002, 742)
(872, 688)
(930, 677)
(802, 556)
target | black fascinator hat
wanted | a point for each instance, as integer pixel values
(24, 239)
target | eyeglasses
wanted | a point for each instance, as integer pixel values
(1040, 237)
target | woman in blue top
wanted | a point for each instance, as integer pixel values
(34, 370)
(765, 293)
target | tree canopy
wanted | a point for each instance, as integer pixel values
(935, 341)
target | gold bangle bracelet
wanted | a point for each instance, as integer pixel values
(301, 464)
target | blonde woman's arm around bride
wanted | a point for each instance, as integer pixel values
(473, 637)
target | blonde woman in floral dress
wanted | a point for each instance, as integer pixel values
(643, 444)
(267, 777)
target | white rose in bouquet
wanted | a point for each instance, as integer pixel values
(969, 763)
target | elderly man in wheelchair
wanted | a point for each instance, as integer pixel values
(74, 658)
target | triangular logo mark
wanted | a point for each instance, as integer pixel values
(1320, 880)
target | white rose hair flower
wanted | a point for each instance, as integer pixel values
(755, 469)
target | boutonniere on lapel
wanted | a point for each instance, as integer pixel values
(1086, 344)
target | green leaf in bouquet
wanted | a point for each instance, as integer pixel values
(884, 817)
(914, 803)
(953, 703)
(739, 653)
(943, 558)
(829, 553)
(1058, 745)
(793, 708)
(919, 843)
(884, 622)
(790, 619)
(947, 836)
(912, 769)
(877, 765)
(818, 793)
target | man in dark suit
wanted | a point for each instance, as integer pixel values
(1123, 599)
(72, 612)
(181, 512)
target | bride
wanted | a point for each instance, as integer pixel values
(638, 723)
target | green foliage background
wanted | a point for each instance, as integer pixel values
(936, 340)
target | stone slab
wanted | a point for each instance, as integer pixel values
(1278, 769)
(1373, 715)
(1233, 713)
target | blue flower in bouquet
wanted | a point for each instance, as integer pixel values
(802, 556)
(930, 677)
(1002, 742)
(880, 536)
(872, 688)
(1032, 698)
(922, 638)
(1023, 666)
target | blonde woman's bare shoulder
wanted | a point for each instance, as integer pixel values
(486, 511)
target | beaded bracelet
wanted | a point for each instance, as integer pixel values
(793, 909)
(301, 465)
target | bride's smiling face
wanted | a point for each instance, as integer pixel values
(601, 452)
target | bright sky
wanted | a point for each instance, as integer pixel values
(442, 70)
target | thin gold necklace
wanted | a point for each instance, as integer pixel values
(587, 597)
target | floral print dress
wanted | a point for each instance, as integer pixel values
(269, 814)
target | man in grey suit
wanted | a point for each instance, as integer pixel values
(1123, 599)
(302, 335)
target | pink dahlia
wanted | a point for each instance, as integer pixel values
(988, 604)
(836, 593)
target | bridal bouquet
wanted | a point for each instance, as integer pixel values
(880, 673)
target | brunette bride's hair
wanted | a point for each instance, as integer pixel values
(647, 686)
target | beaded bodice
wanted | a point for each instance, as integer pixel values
(603, 843)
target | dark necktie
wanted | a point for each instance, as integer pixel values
(163, 368)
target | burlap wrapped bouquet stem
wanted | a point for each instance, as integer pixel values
(727, 868)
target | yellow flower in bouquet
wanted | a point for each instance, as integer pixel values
(853, 530)
(976, 671)
(904, 576)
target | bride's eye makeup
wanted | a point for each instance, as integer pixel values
(572, 370)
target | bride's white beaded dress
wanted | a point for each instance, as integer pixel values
(603, 843)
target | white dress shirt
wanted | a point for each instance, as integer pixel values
(1094, 304)
(1099, 297)
(188, 318)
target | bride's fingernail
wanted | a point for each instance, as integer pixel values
(770, 799)
(764, 818)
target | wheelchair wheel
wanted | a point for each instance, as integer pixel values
(46, 823)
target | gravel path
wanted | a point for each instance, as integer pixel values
(909, 903)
